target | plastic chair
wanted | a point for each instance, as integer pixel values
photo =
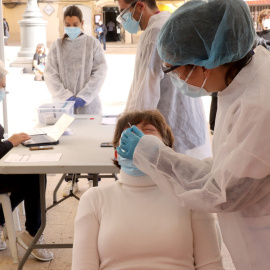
(16, 218)
(4, 199)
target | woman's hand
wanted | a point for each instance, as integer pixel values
(18, 138)
(128, 142)
(79, 102)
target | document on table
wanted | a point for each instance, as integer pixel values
(47, 157)
(108, 121)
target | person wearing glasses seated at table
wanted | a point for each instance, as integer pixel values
(132, 224)
(23, 187)
(75, 71)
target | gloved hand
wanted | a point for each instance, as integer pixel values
(72, 98)
(79, 102)
(128, 142)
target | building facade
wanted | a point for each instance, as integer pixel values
(52, 12)
(107, 10)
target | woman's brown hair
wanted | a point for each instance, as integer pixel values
(265, 13)
(153, 117)
(236, 67)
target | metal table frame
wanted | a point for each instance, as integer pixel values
(100, 163)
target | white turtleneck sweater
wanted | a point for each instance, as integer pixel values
(132, 225)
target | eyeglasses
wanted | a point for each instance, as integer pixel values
(120, 17)
(169, 70)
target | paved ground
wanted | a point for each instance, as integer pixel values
(24, 98)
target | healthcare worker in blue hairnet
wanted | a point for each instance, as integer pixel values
(207, 46)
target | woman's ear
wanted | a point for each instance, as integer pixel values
(82, 24)
(206, 72)
(141, 6)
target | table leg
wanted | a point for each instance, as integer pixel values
(42, 181)
(95, 180)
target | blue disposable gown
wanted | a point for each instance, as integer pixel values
(152, 89)
(236, 182)
(76, 68)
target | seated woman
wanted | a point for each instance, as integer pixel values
(23, 187)
(39, 61)
(131, 224)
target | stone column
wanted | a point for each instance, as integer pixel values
(33, 29)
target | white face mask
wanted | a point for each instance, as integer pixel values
(266, 23)
(187, 89)
(2, 93)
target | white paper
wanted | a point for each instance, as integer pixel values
(47, 157)
(108, 121)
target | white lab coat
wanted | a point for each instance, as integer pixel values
(236, 183)
(152, 89)
(76, 68)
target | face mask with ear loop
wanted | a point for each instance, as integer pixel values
(266, 24)
(2, 94)
(187, 89)
(129, 168)
(73, 32)
(130, 24)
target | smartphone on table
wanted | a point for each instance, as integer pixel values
(41, 147)
(106, 144)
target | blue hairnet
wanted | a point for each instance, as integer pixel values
(207, 33)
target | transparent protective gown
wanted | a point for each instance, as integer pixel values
(236, 182)
(152, 89)
(76, 68)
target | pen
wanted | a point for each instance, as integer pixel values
(129, 124)
(54, 114)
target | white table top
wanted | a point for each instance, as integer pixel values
(81, 152)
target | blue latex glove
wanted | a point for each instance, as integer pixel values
(79, 102)
(72, 98)
(128, 142)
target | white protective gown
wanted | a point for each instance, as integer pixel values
(152, 89)
(76, 68)
(236, 183)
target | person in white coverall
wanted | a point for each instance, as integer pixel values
(132, 225)
(76, 69)
(152, 89)
(236, 182)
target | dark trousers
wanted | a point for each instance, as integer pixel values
(213, 111)
(103, 39)
(111, 36)
(23, 187)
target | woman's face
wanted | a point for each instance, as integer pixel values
(147, 129)
(196, 78)
(42, 50)
(3, 82)
(73, 22)
(266, 23)
(215, 77)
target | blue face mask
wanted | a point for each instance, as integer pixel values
(131, 25)
(73, 32)
(2, 94)
(187, 89)
(128, 167)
